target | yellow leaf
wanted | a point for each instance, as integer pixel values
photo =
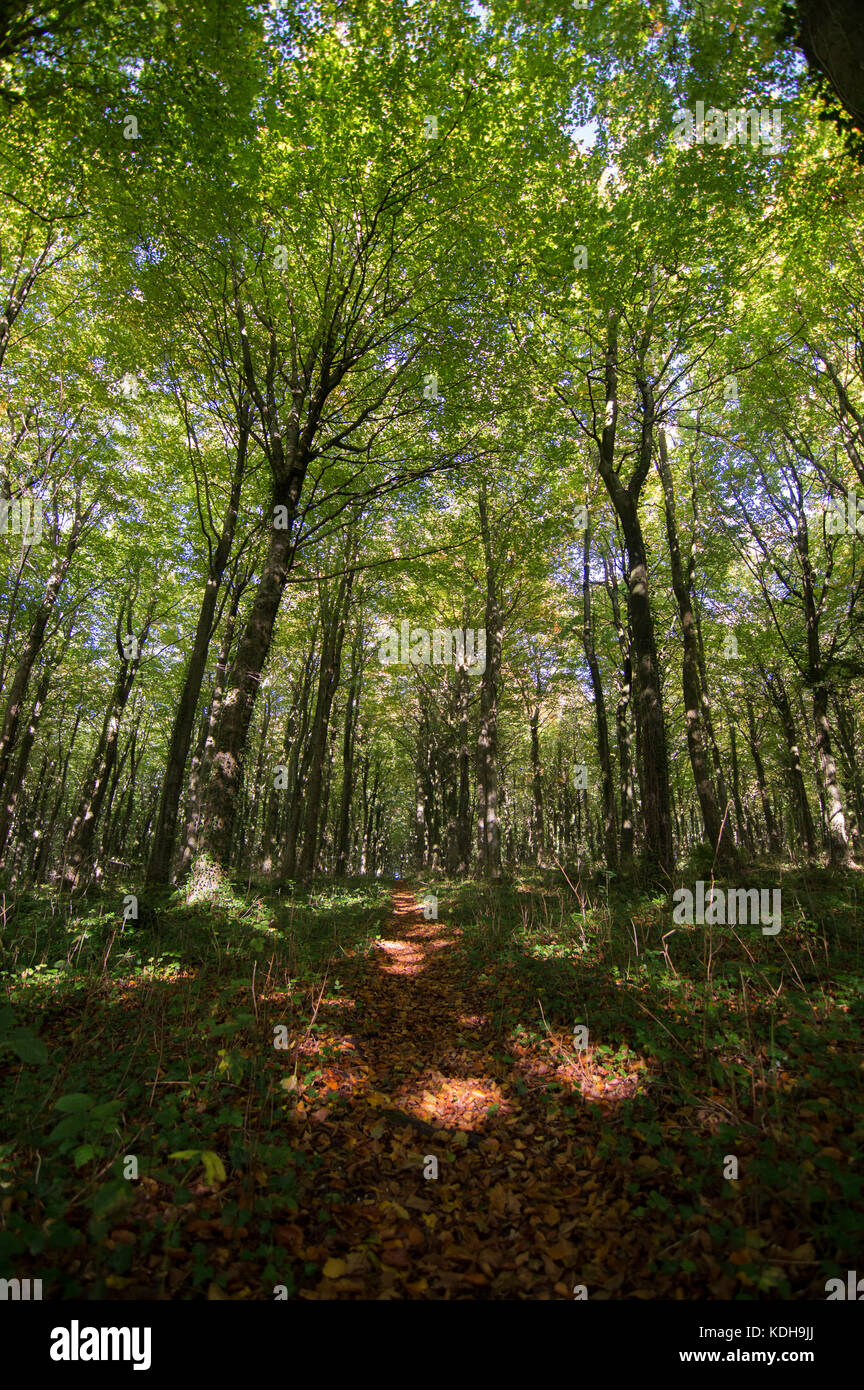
(334, 1269)
(215, 1294)
(214, 1168)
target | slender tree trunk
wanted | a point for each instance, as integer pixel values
(767, 814)
(82, 835)
(44, 842)
(165, 836)
(489, 833)
(333, 636)
(32, 648)
(777, 692)
(352, 713)
(535, 833)
(30, 814)
(707, 718)
(736, 792)
(623, 735)
(717, 834)
(846, 736)
(610, 829)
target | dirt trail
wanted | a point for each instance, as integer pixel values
(428, 1084)
(424, 1037)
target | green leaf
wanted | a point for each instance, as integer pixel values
(28, 1047)
(74, 1103)
(66, 1128)
(83, 1154)
(113, 1195)
(109, 1107)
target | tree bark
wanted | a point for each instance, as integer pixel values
(489, 832)
(352, 714)
(334, 618)
(610, 829)
(767, 813)
(165, 834)
(25, 747)
(651, 724)
(717, 834)
(82, 835)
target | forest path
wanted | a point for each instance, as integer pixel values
(517, 1208)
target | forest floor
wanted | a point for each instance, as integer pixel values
(334, 1098)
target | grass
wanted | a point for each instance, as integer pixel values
(158, 1045)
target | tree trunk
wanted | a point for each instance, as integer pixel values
(651, 724)
(203, 757)
(610, 829)
(736, 792)
(25, 747)
(767, 814)
(32, 648)
(838, 840)
(352, 712)
(718, 835)
(777, 692)
(489, 833)
(165, 835)
(79, 845)
(333, 623)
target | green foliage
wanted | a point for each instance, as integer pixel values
(22, 1041)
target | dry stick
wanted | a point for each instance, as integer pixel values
(640, 1005)
(311, 1025)
(558, 866)
(691, 1235)
(577, 895)
(719, 838)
